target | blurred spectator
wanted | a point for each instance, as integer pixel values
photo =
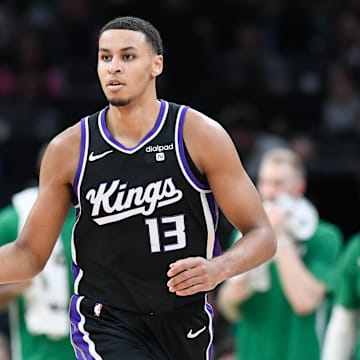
(304, 146)
(27, 108)
(346, 37)
(38, 308)
(342, 335)
(225, 350)
(282, 302)
(243, 121)
(250, 68)
(341, 113)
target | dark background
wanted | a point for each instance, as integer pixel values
(273, 72)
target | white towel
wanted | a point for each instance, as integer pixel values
(46, 299)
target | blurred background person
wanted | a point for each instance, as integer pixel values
(38, 309)
(342, 340)
(341, 111)
(251, 137)
(280, 308)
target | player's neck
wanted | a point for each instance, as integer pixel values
(131, 123)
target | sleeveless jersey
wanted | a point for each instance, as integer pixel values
(138, 210)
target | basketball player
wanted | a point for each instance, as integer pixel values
(145, 176)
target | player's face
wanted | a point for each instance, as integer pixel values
(127, 66)
(276, 178)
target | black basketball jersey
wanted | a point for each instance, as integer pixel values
(139, 209)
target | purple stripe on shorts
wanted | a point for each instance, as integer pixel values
(80, 346)
(210, 311)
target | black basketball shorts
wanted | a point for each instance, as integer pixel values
(99, 332)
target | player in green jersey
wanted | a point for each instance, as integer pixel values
(280, 307)
(342, 341)
(38, 308)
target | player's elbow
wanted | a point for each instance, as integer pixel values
(270, 244)
(31, 263)
(267, 244)
(37, 265)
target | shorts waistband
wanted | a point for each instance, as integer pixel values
(190, 308)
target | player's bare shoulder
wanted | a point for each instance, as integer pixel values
(62, 153)
(205, 139)
(201, 123)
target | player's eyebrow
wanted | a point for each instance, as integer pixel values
(126, 48)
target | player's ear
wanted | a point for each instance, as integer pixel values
(157, 65)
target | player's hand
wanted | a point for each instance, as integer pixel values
(192, 275)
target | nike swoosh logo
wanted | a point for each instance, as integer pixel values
(191, 335)
(93, 157)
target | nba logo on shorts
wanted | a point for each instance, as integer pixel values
(160, 156)
(97, 309)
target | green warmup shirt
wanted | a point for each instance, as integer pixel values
(347, 292)
(34, 344)
(269, 329)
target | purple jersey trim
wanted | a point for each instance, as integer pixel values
(215, 215)
(217, 247)
(75, 270)
(213, 208)
(81, 159)
(181, 148)
(110, 139)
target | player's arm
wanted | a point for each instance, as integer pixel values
(8, 233)
(27, 256)
(215, 155)
(9, 292)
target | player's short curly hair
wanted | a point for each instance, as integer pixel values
(137, 24)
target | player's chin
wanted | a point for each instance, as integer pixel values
(115, 101)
